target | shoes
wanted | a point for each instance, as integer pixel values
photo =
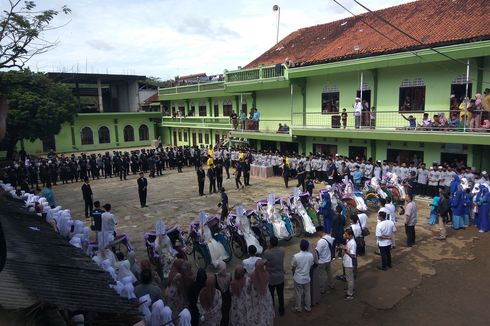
(440, 238)
(348, 297)
(296, 309)
(341, 278)
(307, 309)
(381, 268)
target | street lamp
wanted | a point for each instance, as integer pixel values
(278, 9)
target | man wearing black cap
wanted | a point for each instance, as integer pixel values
(142, 188)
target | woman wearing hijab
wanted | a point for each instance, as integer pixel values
(175, 294)
(193, 294)
(167, 316)
(458, 203)
(326, 212)
(157, 313)
(262, 313)
(240, 298)
(483, 200)
(223, 279)
(125, 271)
(209, 303)
(135, 269)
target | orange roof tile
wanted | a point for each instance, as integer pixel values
(434, 22)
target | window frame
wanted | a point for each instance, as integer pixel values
(128, 139)
(147, 132)
(108, 135)
(203, 106)
(412, 89)
(83, 137)
(227, 105)
(331, 94)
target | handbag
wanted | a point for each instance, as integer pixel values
(365, 232)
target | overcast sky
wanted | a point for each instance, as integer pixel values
(166, 38)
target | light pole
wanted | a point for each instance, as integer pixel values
(278, 9)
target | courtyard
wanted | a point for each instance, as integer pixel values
(174, 198)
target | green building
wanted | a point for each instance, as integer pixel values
(109, 115)
(411, 59)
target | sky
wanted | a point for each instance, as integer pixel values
(168, 38)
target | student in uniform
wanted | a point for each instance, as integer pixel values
(87, 197)
(142, 189)
(97, 219)
(285, 172)
(201, 176)
(223, 204)
(385, 231)
(212, 178)
(349, 262)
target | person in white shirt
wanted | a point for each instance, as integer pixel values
(301, 265)
(357, 112)
(249, 263)
(349, 262)
(324, 248)
(108, 227)
(385, 231)
(391, 217)
(422, 178)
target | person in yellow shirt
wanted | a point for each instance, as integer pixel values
(210, 160)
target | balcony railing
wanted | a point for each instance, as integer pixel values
(255, 73)
(395, 121)
(198, 121)
(210, 86)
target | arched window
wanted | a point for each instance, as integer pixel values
(128, 133)
(87, 136)
(143, 131)
(104, 135)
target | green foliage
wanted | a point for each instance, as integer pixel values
(158, 82)
(21, 28)
(37, 105)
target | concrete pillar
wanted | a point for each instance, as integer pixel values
(99, 92)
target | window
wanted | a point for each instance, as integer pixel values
(185, 135)
(202, 109)
(143, 131)
(227, 108)
(412, 95)
(173, 111)
(181, 112)
(87, 136)
(199, 138)
(216, 109)
(104, 135)
(206, 138)
(244, 105)
(128, 133)
(192, 110)
(330, 102)
(180, 135)
(458, 91)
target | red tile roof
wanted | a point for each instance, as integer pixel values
(434, 22)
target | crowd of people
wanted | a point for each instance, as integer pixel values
(249, 295)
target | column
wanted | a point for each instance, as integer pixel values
(480, 63)
(375, 88)
(116, 132)
(99, 92)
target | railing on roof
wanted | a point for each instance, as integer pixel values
(225, 121)
(209, 86)
(264, 72)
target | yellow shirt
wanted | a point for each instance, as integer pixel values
(210, 161)
(241, 156)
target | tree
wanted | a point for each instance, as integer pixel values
(38, 106)
(21, 29)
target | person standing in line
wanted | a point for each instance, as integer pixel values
(201, 176)
(285, 172)
(87, 197)
(223, 204)
(300, 266)
(324, 247)
(275, 266)
(212, 178)
(218, 170)
(249, 263)
(410, 219)
(246, 173)
(349, 261)
(385, 231)
(227, 165)
(142, 189)
(301, 174)
(108, 227)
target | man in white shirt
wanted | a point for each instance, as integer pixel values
(357, 112)
(391, 217)
(249, 263)
(108, 227)
(422, 178)
(324, 248)
(349, 262)
(385, 231)
(301, 265)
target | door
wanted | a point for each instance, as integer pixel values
(217, 139)
(404, 156)
(329, 150)
(49, 144)
(194, 140)
(357, 151)
(175, 138)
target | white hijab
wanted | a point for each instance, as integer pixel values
(157, 313)
(144, 308)
(167, 316)
(125, 271)
(128, 289)
(185, 318)
(106, 266)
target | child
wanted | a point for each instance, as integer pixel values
(344, 117)
(411, 120)
(433, 210)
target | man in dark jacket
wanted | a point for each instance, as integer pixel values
(142, 188)
(87, 197)
(201, 176)
(212, 179)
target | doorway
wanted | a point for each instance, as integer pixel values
(329, 150)
(267, 145)
(49, 144)
(404, 156)
(454, 158)
(359, 152)
(459, 92)
(289, 147)
(175, 138)
(194, 139)
(366, 96)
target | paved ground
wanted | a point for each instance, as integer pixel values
(420, 287)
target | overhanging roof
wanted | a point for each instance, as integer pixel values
(83, 78)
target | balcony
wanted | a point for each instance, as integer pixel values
(199, 87)
(254, 74)
(197, 122)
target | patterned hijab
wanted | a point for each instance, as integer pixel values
(260, 277)
(206, 296)
(239, 281)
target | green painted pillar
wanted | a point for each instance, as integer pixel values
(373, 149)
(480, 63)
(116, 130)
(254, 99)
(187, 108)
(72, 130)
(375, 88)
(210, 107)
(237, 103)
(259, 145)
